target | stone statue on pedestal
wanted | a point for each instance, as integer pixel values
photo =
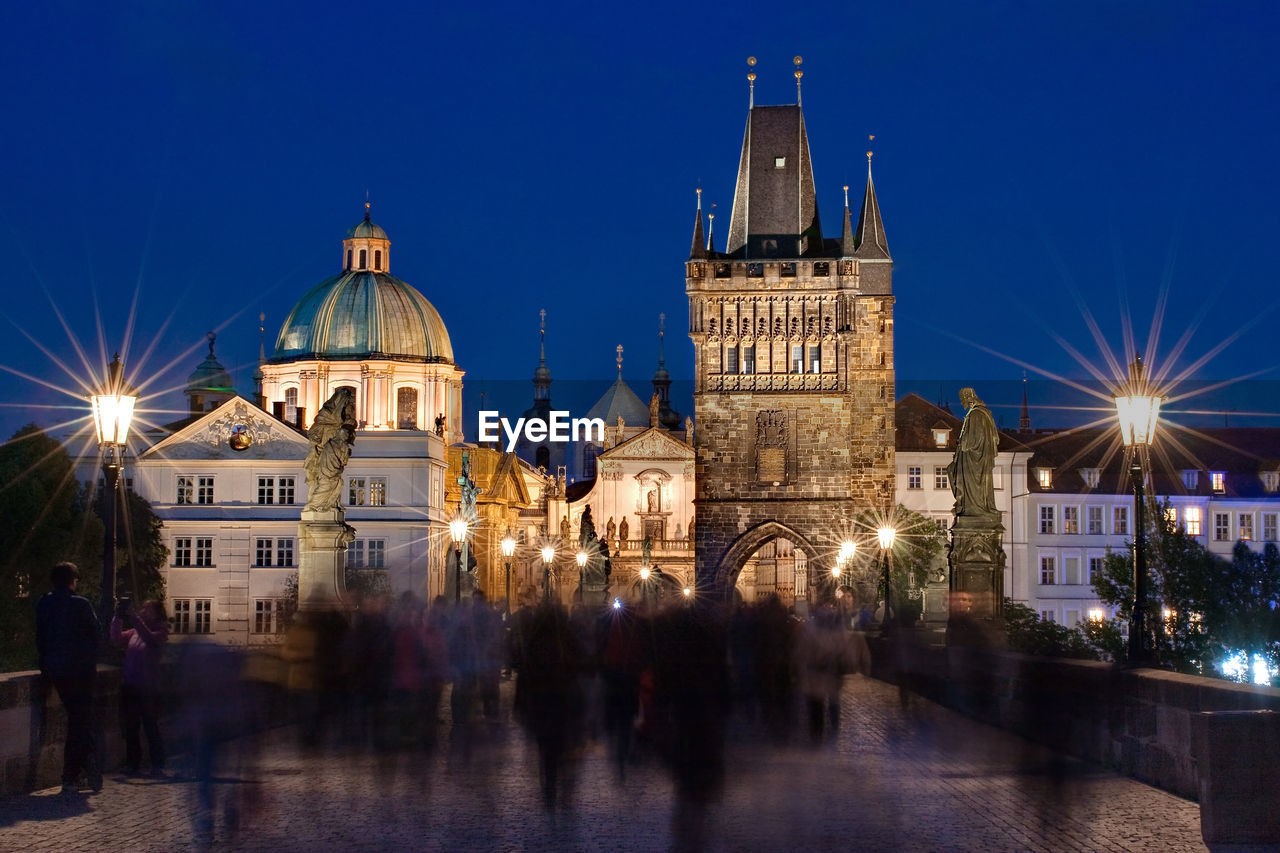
(976, 555)
(323, 533)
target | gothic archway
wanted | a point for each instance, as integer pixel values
(749, 543)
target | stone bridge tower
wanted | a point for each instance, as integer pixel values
(793, 361)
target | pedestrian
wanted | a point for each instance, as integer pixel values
(825, 654)
(143, 636)
(67, 643)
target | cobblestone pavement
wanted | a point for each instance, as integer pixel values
(921, 779)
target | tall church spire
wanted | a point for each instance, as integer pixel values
(869, 236)
(1024, 420)
(542, 376)
(698, 250)
(711, 231)
(667, 417)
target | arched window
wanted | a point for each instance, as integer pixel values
(407, 408)
(355, 402)
(377, 260)
(291, 405)
(364, 253)
(348, 259)
(589, 454)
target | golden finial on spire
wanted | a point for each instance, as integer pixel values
(751, 82)
(846, 195)
(797, 60)
(699, 191)
(367, 205)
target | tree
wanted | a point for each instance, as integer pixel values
(1026, 632)
(46, 520)
(916, 547)
(140, 549)
(1243, 615)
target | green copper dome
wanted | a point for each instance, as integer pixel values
(366, 229)
(362, 314)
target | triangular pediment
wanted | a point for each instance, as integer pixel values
(653, 443)
(257, 435)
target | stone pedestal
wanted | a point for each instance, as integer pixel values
(323, 536)
(1239, 780)
(976, 558)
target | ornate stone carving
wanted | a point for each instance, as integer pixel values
(257, 426)
(331, 434)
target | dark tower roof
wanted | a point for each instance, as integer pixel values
(542, 375)
(848, 242)
(869, 236)
(775, 206)
(699, 248)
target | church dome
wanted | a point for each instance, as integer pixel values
(365, 312)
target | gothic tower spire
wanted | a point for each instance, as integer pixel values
(698, 250)
(542, 376)
(667, 417)
(870, 239)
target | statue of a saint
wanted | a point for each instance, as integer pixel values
(652, 499)
(646, 551)
(610, 530)
(689, 531)
(688, 430)
(331, 435)
(655, 406)
(970, 469)
(586, 529)
(564, 528)
(467, 503)
(623, 529)
(440, 425)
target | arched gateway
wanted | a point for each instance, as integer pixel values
(793, 363)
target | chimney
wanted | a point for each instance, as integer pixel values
(277, 409)
(302, 418)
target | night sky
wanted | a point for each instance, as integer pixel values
(206, 160)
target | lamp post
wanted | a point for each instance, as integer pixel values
(112, 415)
(548, 554)
(458, 530)
(508, 549)
(1138, 410)
(582, 568)
(886, 535)
(644, 585)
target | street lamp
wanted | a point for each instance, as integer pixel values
(582, 567)
(1138, 410)
(112, 415)
(644, 584)
(886, 535)
(548, 554)
(508, 549)
(458, 530)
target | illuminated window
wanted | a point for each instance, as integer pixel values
(1044, 476)
(1071, 519)
(1171, 517)
(940, 437)
(291, 405)
(1120, 520)
(1047, 519)
(1221, 527)
(914, 477)
(1218, 481)
(779, 162)
(1096, 614)
(1191, 520)
(1244, 527)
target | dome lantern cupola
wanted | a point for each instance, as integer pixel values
(366, 247)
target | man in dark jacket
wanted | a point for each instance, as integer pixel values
(67, 641)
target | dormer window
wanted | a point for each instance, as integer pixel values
(1090, 477)
(1218, 481)
(779, 162)
(1044, 476)
(941, 436)
(1271, 480)
(1191, 479)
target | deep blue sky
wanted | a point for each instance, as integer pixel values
(210, 157)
